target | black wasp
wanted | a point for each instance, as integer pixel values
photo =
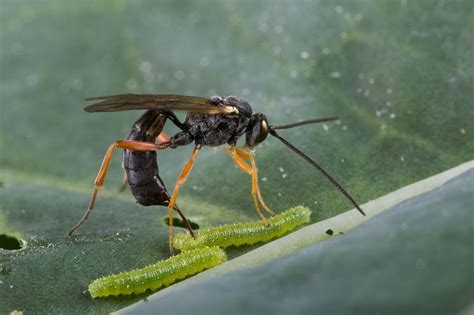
(211, 121)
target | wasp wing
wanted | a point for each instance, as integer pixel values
(190, 104)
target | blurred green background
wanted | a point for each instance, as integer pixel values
(398, 73)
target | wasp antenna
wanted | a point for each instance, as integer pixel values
(319, 168)
(305, 122)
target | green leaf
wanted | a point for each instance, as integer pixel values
(399, 74)
(415, 258)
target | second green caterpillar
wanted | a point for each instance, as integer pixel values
(245, 233)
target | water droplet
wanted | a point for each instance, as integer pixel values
(463, 131)
(77, 84)
(393, 115)
(263, 179)
(339, 9)
(335, 75)
(179, 75)
(284, 175)
(204, 62)
(281, 169)
(131, 84)
(366, 92)
(145, 66)
(279, 194)
(304, 55)
(325, 127)
(371, 81)
(402, 158)
(344, 127)
(389, 91)
(361, 76)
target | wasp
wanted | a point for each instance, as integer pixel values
(214, 121)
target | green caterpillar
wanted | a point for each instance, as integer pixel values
(245, 233)
(163, 273)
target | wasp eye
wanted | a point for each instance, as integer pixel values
(258, 130)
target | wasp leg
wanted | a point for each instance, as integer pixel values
(255, 181)
(99, 180)
(245, 155)
(171, 116)
(162, 137)
(124, 183)
(238, 155)
(181, 179)
(186, 222)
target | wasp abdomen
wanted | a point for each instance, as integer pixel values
(141, 167)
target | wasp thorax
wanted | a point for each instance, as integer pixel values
(240, 103)
(216, 100)
(257, 130)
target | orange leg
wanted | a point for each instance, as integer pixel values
(245, 155)
(238, 155)
(99, 181)
(181, 179)
(257, 188)
(162, 137)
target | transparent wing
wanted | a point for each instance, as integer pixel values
(191, 104)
